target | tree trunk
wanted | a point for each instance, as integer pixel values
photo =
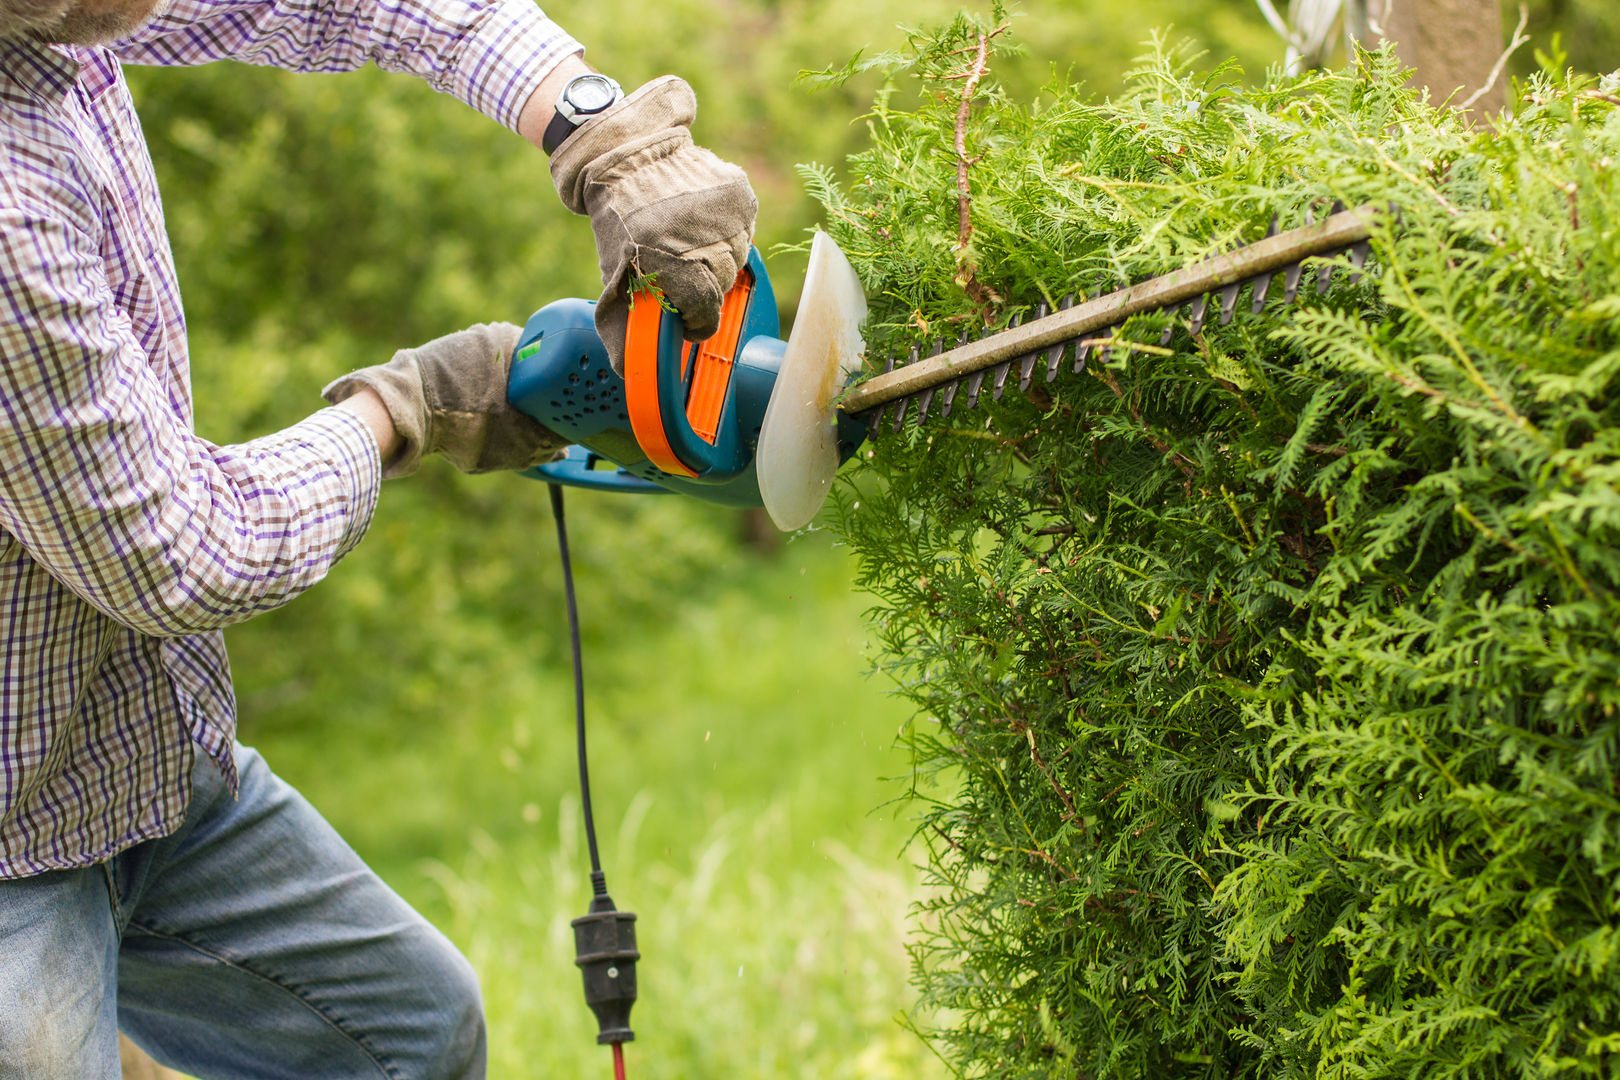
(1452, 44)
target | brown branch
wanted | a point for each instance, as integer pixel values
(1053, 863)
(984, 298)
(1038, 558)
(1219, 641)
(1073, 816)
(1175, 456)
(964, 110)
(1056, 670)
(1572, 194)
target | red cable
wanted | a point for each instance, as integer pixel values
(618, 1061)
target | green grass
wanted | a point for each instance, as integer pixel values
(738, 755)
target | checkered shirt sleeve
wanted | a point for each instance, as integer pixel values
(489, 53)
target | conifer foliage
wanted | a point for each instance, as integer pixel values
(1267, 683)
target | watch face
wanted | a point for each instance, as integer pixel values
(591, 93)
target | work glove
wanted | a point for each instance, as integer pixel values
(449, 397)
(660, 206)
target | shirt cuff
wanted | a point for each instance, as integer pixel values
(346, 444)
(513, 50)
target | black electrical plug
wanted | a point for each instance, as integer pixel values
(605, 950)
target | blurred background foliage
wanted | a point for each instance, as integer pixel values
(420, 695)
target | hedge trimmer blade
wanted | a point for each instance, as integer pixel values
(959, 377)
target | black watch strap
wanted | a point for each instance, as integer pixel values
(559, 129)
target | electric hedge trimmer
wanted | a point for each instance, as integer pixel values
(747, 419)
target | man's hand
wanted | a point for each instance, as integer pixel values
(449, 397)
(660, 206)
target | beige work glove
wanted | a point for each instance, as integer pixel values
(660, 206)
(449, 397)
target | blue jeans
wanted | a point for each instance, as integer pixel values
(251, 943)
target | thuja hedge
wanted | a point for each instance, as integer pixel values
(1267, 684)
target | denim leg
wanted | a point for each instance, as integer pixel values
(258, 945)
(58, 953)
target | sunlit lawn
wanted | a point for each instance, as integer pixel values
(738, 756)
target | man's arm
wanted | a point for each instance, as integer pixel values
(107, 488)
(492, 54)
(660, 206)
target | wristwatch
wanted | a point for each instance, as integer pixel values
(585, 96)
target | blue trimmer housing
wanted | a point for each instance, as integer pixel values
(562, 378)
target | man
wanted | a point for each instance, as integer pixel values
(155, 877)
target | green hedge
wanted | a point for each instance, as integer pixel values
(1267, 686)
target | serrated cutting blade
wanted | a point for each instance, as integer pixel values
(1200, 307)
(975, 383)
(1221, 276)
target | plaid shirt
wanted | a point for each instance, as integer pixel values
(126, 541)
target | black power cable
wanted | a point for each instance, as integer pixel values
(604, 938)
(598, 879)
